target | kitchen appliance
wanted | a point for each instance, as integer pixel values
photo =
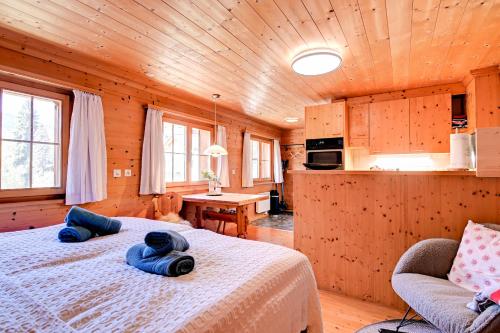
(275, 203)
(325, 154)
(461, 151)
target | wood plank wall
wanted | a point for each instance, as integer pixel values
(354, 228)
(124, 125)
(293, 150)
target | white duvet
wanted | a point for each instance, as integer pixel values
(237, 285)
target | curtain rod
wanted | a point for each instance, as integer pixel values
(89, 91)
(52, 82)
(179, 114)
(260, 135)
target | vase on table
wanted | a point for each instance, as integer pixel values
(214, 187)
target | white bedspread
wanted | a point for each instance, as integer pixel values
(236, 286)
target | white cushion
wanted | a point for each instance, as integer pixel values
(477, 263)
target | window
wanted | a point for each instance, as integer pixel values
(184, 144)
(261, 159)
(32, 144)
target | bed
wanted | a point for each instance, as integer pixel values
(237, 285)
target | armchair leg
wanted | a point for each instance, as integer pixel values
(402, 323)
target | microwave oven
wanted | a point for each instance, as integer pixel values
(325, 154)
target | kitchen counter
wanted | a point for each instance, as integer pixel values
(354, 225)
(384, 172)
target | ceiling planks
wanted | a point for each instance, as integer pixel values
(243, 48)
(399, 17)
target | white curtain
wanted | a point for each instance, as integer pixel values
(278, 170)
(86, 176)
(222, 163)
(153, 158)
(246, 168)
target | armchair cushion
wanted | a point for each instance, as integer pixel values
(432, 257)
(437, 300)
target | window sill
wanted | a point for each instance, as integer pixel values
(263, 182)
(31, 201)
(188, 188)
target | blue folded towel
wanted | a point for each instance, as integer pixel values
(98, 224)
(162, 242)
(74, 234)
(173, 264)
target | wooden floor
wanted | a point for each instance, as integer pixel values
(341, 314)
(346, 314)
(263, 234)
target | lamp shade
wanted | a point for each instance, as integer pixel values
(215, 151)
(316, 62)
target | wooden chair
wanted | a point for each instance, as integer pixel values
(167, 205)
(222, 217)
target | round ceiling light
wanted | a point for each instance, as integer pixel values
(291, 119)
(316, 62)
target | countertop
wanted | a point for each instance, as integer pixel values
(382, 172)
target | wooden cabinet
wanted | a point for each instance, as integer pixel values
(483, 98)
(358, 125)
(415, 125)
(389, 127)
(325, 121)
(488, 152)
(430, 124)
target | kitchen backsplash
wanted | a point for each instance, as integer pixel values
(360, 159)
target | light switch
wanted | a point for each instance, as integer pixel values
(117, 173)
(128, 172)
(233, 172)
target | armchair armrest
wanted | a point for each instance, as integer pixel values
(432, 257)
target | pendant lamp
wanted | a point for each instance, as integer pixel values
(215, 150)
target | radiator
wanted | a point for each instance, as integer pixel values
(264, 205)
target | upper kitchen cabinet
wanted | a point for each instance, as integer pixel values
(325, 121)
(389, 127)
(358, 125)
(430, 123)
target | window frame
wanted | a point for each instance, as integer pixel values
(189, 138)
(262, 140)
(65, 121)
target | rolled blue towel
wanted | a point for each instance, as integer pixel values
(173, 264)
(74, 234)
(162, 242)
(99, 224)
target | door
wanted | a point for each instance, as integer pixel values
(358, 125)
(389, 127)
(325, 121)
(336, 127)
(430, 123)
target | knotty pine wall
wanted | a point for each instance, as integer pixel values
(293, 150)
(355, 227)
(124, 118)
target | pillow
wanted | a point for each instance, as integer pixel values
(477, 263)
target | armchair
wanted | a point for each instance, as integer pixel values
(420, 279)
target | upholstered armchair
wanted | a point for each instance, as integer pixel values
(420, 279)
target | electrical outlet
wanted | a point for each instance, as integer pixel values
(117, 173)
(128, 172)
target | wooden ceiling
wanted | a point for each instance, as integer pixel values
(242, 48)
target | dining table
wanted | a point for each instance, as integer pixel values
(241, 203)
